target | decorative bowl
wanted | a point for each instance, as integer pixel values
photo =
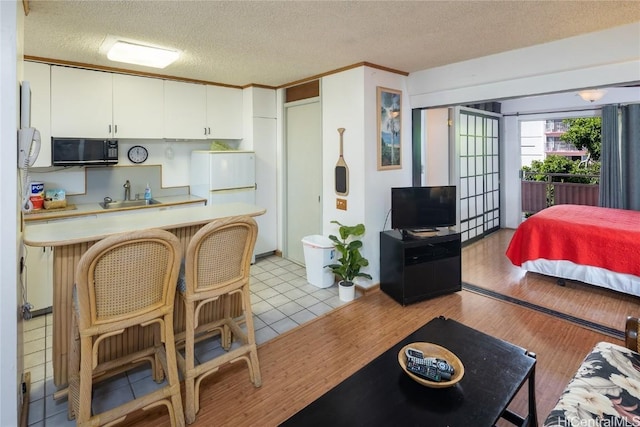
(433, 350)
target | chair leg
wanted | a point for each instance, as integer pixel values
(86, 378)
(189, 363)
(73, 398)
(256, 377)
(255, 368)
(171, 371)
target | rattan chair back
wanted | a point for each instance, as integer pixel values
(219, 256)
(126, 276)
(125, 281)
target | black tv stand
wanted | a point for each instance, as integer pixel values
(415, 269)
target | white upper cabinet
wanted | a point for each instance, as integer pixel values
(95, 104)
(224, 112)
(138, 107)
(39, 77)
(81, 103)
(264, 102)
(185, 106)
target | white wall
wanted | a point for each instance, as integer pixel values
(11, 22)
(349, 101)
(342, 97)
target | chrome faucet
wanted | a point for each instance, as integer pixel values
(127, 190)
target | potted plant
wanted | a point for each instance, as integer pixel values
(350, 261)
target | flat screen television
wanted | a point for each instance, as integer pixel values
(423, 208)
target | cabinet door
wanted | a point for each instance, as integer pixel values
(224, 112)
(265, 142)
(39, 276)
(185, 107)
(39, 76)
(138, 107)
(81, 103)
(264, 102)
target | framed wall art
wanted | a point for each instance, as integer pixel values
(389, 144)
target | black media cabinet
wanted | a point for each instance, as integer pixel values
(417, 268)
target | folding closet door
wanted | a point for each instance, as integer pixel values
(479, 174)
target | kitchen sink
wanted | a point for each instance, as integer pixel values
(119, 204)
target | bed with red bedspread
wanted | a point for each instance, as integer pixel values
(599, 246)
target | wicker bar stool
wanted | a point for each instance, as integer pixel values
(217, 267)
(123, 281)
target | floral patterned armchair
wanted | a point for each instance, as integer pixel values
(606, 389)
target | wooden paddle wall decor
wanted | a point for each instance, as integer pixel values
(342, 171)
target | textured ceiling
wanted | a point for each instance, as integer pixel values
(278, 42)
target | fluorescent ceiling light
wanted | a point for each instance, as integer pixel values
(592, 95)
(149, 56)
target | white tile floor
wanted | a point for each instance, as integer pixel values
(281, 299)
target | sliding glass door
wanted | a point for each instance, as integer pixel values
(477, 137)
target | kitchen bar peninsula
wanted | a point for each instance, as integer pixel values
(71, 239)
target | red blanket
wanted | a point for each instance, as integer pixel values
(586, 235)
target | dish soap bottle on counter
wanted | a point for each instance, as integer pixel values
(147, 192)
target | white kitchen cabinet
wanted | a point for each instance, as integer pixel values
(224, 112)
(81, 103)
(39, 77)
(265, 142)
(185, 106)
(264, 102)
(138, 107)
(39, 276)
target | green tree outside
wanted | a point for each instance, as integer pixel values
(584, 133)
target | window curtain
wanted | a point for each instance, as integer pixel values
(610, 176)
(620, 157)
(630, 155)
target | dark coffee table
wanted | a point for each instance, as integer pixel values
(381, 394)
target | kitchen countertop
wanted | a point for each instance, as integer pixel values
(96, 228)
(95, 208)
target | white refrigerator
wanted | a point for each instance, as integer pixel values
(223, 176)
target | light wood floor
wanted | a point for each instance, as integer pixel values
(300, 365)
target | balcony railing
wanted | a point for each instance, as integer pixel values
(555, 190)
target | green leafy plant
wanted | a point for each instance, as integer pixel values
(351, 260)
(585, 132)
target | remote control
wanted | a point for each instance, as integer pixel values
(444, 367)
(412, 352)
(424, 371)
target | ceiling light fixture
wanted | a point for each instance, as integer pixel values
(592, 95)
(149, 56)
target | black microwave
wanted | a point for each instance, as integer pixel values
(83, 152)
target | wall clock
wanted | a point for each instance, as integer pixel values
(138, 154)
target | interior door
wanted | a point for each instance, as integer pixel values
(303, 175)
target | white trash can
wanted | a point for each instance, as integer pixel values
(318, 252)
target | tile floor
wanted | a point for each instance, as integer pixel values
(281, 299)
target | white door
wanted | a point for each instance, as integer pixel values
(304, 175)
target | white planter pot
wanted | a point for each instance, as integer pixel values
(346, 292)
